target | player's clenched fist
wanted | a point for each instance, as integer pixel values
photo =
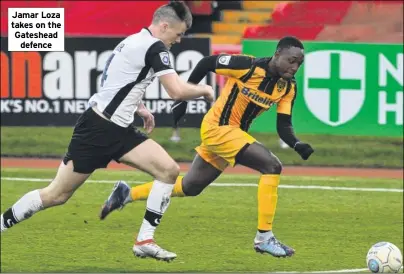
(209, 93)
(304, 150)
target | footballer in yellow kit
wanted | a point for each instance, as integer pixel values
(247, 94)
(254, 85)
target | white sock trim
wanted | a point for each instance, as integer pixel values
(157, 202)
(29, 204)
(261, 237)
(159, 197)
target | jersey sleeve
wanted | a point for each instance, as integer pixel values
(158, 58)
(235, 66)
(285, 105)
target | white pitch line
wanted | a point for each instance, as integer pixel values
(226, 185)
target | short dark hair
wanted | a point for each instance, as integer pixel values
(289, 41)
(175, 10)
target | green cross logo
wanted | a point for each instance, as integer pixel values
(334, 83)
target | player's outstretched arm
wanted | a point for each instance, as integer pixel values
(180, 90)
(157, 57)
(235, 66)
(229, 65)
(204, 66)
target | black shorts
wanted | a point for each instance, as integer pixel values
(96, 141)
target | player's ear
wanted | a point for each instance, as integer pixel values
(164, 27)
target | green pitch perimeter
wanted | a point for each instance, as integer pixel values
(349, 151)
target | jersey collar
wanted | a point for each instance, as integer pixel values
(145, 28)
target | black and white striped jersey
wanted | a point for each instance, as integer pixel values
(130, 69)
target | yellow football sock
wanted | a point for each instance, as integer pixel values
(142, 192)
(267, 200)
(177, 191)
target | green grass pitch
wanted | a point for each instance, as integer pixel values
(331, 229)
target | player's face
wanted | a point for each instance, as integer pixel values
(172, 33)
(288, 61)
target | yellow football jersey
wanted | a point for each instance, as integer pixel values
(249, 91)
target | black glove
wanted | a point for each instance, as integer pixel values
(179, 108)
(304, 150)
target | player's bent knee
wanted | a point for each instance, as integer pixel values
(173, 171)
(274, 166)
(169, 173)
(278, 166)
